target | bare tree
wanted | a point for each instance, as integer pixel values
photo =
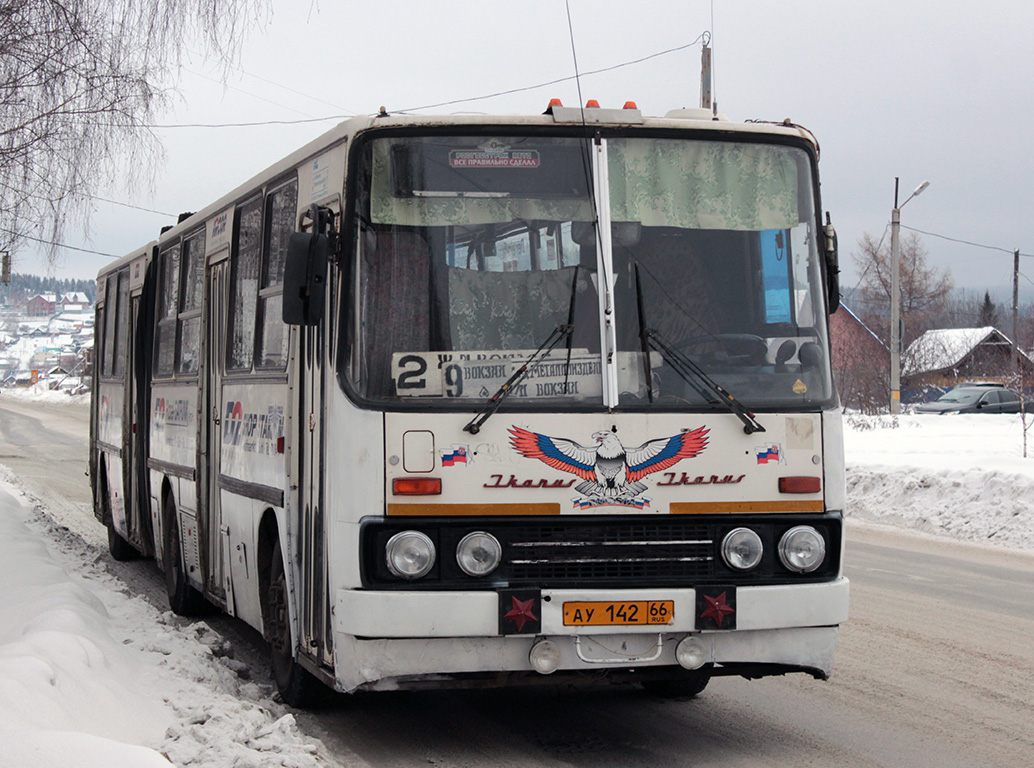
(924, 290)
(81, 84)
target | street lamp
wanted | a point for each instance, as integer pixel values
(895, 296)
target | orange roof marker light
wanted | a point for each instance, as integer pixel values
(554, 102)
(592, 104)
(630, 105)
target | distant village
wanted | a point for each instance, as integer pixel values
(46, 340)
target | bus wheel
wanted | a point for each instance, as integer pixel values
(184, 600)
(679, 687)
(120, 549)
(297, 687)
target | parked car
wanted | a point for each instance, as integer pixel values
(975, 397)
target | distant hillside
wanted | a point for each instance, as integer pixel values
(24, 287)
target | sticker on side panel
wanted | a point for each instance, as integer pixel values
(772, 453)
(456, 455)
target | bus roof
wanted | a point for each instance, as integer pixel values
(698, 120)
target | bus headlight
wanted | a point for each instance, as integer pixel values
(479, 553)
(742, 549)
(802, 549)
(409, 554)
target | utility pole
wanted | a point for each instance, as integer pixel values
(895, 305)
(1016, 311)
(895, 296)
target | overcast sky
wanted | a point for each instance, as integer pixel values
(934, 91)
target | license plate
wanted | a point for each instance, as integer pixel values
(619, 614)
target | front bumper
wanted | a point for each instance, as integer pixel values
(384, 638)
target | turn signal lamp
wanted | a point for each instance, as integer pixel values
(800, 485)
(416, 486)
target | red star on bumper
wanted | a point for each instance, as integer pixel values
(521, 612)
(717, 609)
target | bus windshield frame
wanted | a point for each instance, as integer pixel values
(466, 249)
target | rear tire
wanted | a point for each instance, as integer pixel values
(297, 687)
(184, 600)
(680, 687)
(120, 549)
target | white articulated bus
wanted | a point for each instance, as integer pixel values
(484, 399)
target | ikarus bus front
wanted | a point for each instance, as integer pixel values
(582, 417)
(470, 400)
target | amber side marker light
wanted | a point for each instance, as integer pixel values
(416, 486)
(800, 484)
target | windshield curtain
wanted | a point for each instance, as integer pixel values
(470, 251)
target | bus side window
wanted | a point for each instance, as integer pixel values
(111, 299)
(168, 295)
(121, 325)
(281, 210)
(192, 285)
(245, 281)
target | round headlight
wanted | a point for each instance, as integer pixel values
(409, 554)
(802, 549)
(479, 553)
(742, 549)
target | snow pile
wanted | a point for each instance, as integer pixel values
(962, 475)
(94, 678)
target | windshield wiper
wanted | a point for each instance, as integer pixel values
(558, 334)
(707, 387)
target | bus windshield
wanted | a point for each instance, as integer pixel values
(471, 251)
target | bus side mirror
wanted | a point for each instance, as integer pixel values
(305, 278)
(832, 266)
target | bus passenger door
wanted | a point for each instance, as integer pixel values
(315, 607)
(216, 540)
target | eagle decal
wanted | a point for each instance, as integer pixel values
(608, 469)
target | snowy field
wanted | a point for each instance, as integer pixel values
(93, 677)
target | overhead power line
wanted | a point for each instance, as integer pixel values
(1009, 251)
(439, 104)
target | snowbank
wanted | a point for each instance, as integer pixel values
(92, 677)
(962, 476)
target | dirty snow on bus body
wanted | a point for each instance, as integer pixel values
(92, 677)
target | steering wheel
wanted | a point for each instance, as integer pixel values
(741, 348)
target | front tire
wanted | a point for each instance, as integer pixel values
(687, 687)
(297, 687)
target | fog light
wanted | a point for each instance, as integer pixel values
(690, 653)
(545, 657)
(802, 549)
(409, 554)
(742, 549)
(479, 553)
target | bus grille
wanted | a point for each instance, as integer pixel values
(624, 552)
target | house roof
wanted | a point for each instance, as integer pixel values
(946, 348)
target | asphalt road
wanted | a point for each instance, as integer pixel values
(935, 667)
